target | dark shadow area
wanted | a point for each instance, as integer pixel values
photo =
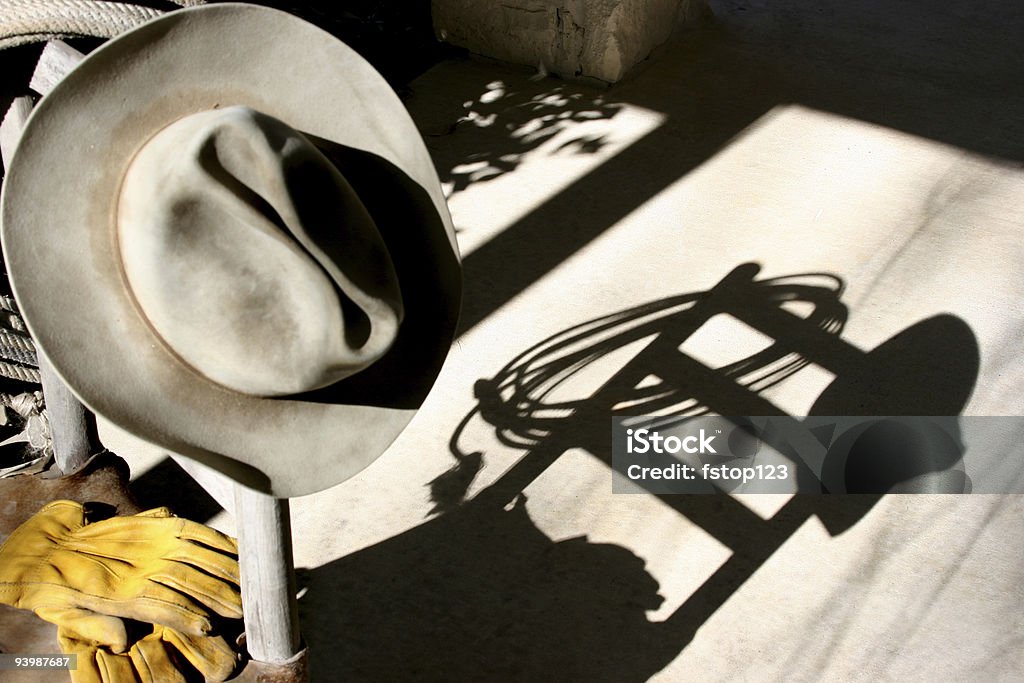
(952, 71)
(395, 36)
(167, 484)
(16, 67)
(483, 594)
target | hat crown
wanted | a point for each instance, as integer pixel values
(251, 256)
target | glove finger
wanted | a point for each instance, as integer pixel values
(145, 600)
(116, 668)
(208, 536)
(222, 597)
(155, 603)
(68, 511)
(152, 662)
(169, 593)
(85, 625)
(211, 656)
(137, 559)
(212, 562)
(86, 669)
(146, 527)
(130, 529)
(92, 663)
(85, 656)
(155, 512)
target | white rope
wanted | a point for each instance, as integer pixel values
(28, 21)
(18, 348)
(25, 404)
(37, 448)
(19, 372)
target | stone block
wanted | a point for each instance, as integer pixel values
(592, 40)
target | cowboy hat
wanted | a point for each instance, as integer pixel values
(226, 235)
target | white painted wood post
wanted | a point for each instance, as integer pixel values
(268, 579)
(68, 426)
(66, 415)
(10, 129)
(57, 59)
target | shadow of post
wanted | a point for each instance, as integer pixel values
(482, 594)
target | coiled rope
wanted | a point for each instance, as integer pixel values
(29, 21)
(17, 350)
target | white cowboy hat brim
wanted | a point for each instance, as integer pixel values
(60, 243)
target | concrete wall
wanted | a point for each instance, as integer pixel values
(579, 39)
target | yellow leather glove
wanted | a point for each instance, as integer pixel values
(159, 657)
(151, 567)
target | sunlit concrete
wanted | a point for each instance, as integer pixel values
(562, 131)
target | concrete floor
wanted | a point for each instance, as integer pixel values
(823, 141)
